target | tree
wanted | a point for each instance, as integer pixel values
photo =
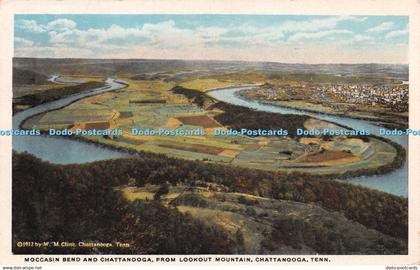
(163, 189)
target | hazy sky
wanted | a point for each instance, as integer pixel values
(278, 38)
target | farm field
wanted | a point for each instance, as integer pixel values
(136, 107)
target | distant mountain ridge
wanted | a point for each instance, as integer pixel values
(141, 66)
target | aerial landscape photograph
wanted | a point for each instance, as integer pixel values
(210, 134)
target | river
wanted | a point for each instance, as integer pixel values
(63, 150)
(66, 151)
(395, 182)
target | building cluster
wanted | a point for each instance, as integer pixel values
(387, 95)
(396, 95)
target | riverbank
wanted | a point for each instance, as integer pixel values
(286, 104)
(238, 117)
(56, 93)
(394, 181)
(398, 161)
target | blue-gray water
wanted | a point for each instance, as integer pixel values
(62, 150)
(395, 182)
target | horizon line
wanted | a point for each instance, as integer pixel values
(213, 60)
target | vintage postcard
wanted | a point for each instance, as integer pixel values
(209, 132)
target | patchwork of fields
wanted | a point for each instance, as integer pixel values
(135, 107)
